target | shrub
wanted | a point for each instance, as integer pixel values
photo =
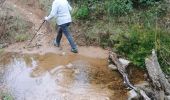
(1, 51)
(135, 44)
(119, 7)
(21, 37)
(6, 96)
(144, 3)
(82, 12)
(138, 43)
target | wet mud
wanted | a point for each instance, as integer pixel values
(61, 77)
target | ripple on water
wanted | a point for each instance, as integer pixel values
(56, 77)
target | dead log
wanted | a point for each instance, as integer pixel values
(122, 69)
(159, 82)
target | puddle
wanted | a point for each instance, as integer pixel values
(57, 77)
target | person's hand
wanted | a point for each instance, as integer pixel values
(46, 18)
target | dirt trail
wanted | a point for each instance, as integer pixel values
(43, 42)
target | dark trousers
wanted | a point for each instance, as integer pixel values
(64, 29)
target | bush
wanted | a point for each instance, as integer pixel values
(7, 97)
(21, 37)
(144, 3)
(138, 43)
(82, 12)
(1, 51)
(135, 44)
(119, 7)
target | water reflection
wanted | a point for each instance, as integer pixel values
(56, 77)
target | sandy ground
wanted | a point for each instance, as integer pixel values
(42, 43)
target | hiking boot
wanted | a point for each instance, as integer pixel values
(74, 50)
(56, 44)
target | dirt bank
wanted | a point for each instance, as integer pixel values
(43, 42)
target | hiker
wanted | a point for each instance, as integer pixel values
(61, 11)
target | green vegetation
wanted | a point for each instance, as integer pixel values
(131, 27)
(119, 7)
(1, 51)
(21, 37)
(82, 12)
(6, 96)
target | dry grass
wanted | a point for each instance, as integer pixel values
(13, 28)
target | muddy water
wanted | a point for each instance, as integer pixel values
(58, 77)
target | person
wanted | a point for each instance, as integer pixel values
(61, 11)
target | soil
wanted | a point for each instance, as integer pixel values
(43, 42)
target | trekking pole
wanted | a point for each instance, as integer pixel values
(37, 32)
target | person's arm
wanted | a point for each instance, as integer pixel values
(53, 11)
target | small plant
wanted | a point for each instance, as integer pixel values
(119, 7)
(1, 51)
(21, 37)
(6, 96)
(82, 12)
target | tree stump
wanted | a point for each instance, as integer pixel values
(160, 84)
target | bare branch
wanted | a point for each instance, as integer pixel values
(122, 70)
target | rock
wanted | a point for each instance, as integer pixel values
(132, 95)
(124, 62)
(142, 84)
(38, 44)
(40, 33)
(3, 45)
(113, 67)
(107, 98)
(69, 65)
(63, 53)
(77, 71)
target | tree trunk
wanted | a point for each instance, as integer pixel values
(160, 83)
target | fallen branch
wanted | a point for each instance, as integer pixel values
(122, 69)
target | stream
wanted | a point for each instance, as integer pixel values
(61, 77)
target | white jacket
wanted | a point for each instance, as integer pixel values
(60, 10)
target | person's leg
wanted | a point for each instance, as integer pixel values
(64, 28)
(58, 38)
